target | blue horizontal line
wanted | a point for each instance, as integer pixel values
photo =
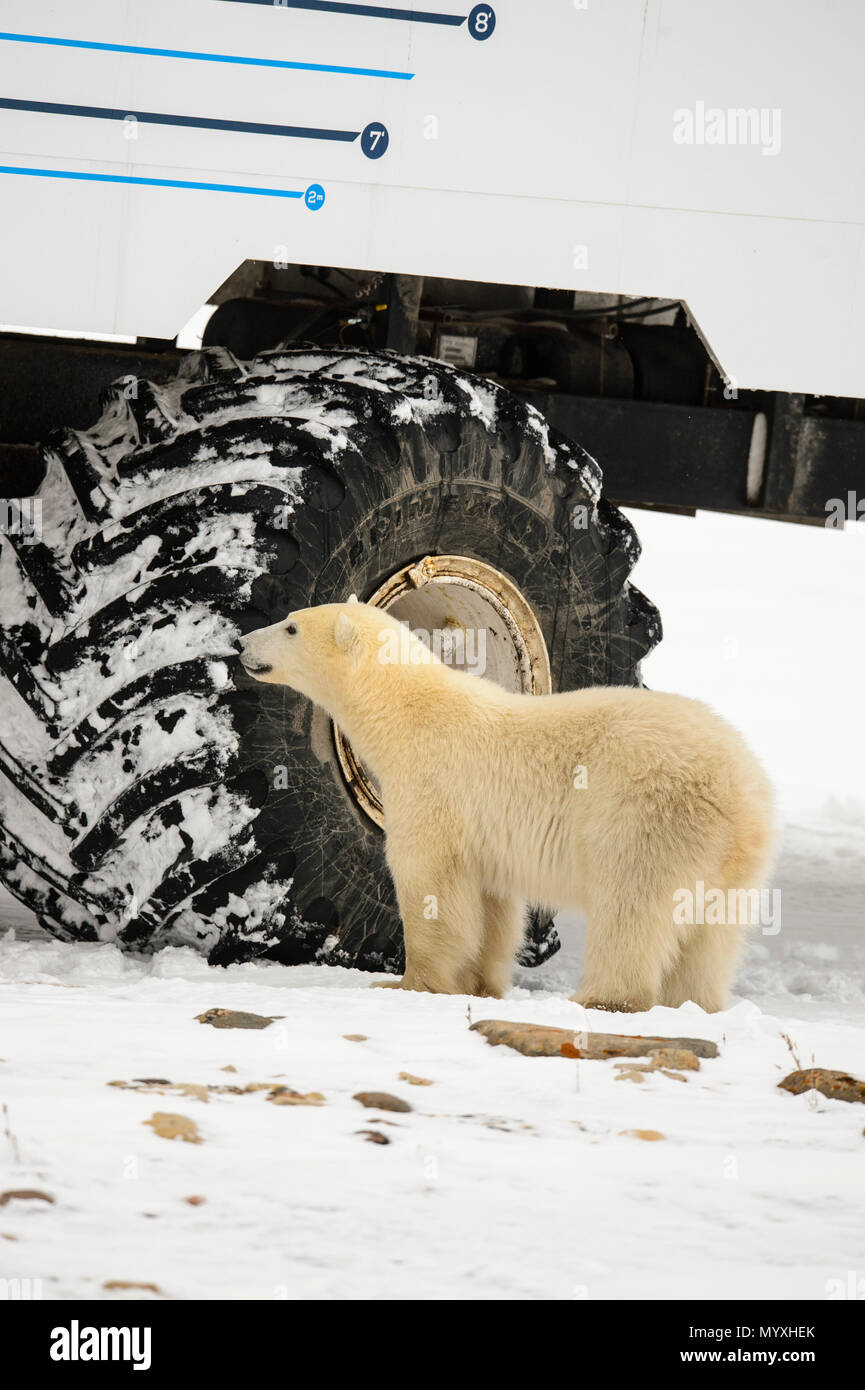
(367, 11)
(206, 57)
(151, 183)
(57, 108)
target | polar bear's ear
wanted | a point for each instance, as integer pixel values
(352, 598)
(346, 634)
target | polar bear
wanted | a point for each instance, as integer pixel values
(616, 801)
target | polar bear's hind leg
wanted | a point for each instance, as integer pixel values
(705, 968)
(631, 944)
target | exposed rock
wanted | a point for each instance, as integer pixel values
(627, 1071)
(836, 1085)
(231, 1018)
(381, 1100)
(373, 1136)
(676, 1058)
(532, 1039)
(651, 1136)
(539, 1040)
(281, 1095)
(169, 1126)
(24, 1194)
(189, 1090)
(414, 1080)
(284, 1095)
(355, 1037)
(117, 1284)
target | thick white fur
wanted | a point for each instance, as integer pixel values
(482, 814)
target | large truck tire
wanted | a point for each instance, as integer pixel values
(150, 792)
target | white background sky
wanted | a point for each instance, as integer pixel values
(764, 621)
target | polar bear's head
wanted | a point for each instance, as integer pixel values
(323, 651)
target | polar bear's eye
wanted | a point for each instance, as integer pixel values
(291, 629)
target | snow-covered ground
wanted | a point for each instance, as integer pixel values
(512, 1177)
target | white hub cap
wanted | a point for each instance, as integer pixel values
(476, 620)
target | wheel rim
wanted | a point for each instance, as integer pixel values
(476, 619)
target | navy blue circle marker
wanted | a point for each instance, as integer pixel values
(374, 140)
(314, 197)
(482, 22)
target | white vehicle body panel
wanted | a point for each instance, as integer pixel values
(551, 153)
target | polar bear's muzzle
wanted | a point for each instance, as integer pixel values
(252, 664)
(253, 670)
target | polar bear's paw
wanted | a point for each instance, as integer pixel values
(422, 986)
(608, 1006)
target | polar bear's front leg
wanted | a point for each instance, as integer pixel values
(490, 977)
(442, 920)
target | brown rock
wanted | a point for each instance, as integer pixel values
(373, 1136)
(381, 1100)
(284, 1095)
(538, 1040)
(532, 1039)
(355, 1037)
(837, 1085)
(195, 1200)
(189, 1090)
(651, 1136)
(637, 1071)
(169, 1126)
(231, 1018)
(414, 1080)
(676, 1058)
(24, 1194)
(113, 1284)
